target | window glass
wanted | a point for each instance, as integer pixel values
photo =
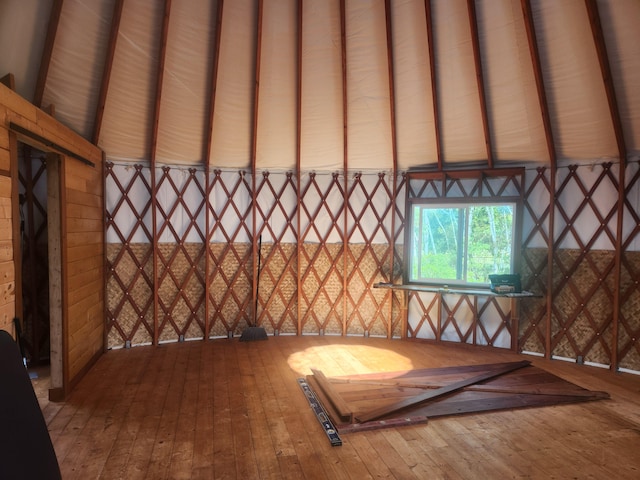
(461, 244)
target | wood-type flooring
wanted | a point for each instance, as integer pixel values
(234, 410)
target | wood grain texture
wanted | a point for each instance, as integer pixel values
(226, 409)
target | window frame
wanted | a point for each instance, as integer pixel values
(440, 183)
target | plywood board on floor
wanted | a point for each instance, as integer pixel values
(371, 401)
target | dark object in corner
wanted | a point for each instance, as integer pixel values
(251, 334)
(26, 450)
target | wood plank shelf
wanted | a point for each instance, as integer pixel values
(510, 320)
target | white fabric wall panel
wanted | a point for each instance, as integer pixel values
(415, 132)
(623, 16)
(233, 117)
(579, 111)
(184, 112)
(277, 105)
(322, 133)
(23, 23)
(126, 131)
(515, 119)
(75, 96)
(368, 121)
(461, 118)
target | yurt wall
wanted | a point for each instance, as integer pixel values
(76, 225)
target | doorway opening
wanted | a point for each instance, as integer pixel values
(38, 196)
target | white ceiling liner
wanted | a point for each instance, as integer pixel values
(233, 115)
(322, 135)
(579, 112)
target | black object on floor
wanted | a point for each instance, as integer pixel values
(26, 451)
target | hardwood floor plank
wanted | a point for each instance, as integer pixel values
(228, 410)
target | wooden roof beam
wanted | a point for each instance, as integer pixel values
(475, 41)
(108, 64)
(434, 88)
(152, 157)
(546, 121)
(45, 61)
(605, 70)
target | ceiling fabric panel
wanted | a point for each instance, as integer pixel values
(415, 132)
(624, 58)
(579, 111)
(322, 135)
(368, 121)
(277, 107)
(184, 111)
(128, 117)
(81, 52)
(23, 28)
(233, 114)
(461, 118)
(517, 132)
(580, 116)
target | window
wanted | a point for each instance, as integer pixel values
(461, 243)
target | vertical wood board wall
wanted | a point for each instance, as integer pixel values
(81, 222)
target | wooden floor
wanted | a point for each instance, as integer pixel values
(226, 409)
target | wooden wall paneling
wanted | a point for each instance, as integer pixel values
(583, 287)
(82, 322)
(9, 229)
(180, 261)
(230, 254)
(321, 273)
(129, 267)
(277, 295)
(83, 297)
(369, 259)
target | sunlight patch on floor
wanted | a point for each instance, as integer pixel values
(339, 359)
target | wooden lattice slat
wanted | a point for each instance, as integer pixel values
(629, 321)
(583, 291)
(534, 261)
(321, 262)
(129, 261)
(369, 255)
(229, 251)
(277, 295)
(181, 241)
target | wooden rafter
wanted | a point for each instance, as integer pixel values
(527, 15)
(106, 72)
(475, 42)
(299, 164)
(45, 62)
(345, 158)
(207, 166)
(152, 157)
(434, 88)
(254, 152)
(394, 144)
(605, 70)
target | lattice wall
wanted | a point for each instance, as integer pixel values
(323, 243)
(318, 260)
